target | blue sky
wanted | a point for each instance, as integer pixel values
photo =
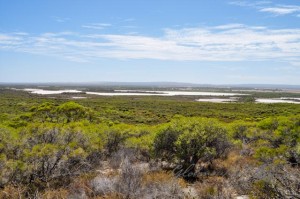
(197, 41)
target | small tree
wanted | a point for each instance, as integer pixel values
(43, 156)
(189, 140)
(44, 112)
(114, 140)
(164, 143)
(72, 111)
(204, 140)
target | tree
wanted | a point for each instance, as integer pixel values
(164, 143)
(45, 111)
(189, 140)
(44, 156)
(72, 111)
(114, 139)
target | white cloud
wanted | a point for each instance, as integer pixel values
(21, 33)
(269, 7)
(9, 41)
(229, 42)
(250, 4)
(281, 10)
(97, 26)
(229, 26)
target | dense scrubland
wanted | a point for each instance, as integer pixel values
(146, 147)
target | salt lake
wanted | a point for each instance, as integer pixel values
(132, 93)
(280, 100)
(167, 93)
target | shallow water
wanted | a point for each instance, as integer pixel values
(161, 93)
(133, 93)
(79, 97)
(176, 93)
(266, 101)
(290, 98)
(167, 93)
(280, 100)
(49, 92)
(217, 100)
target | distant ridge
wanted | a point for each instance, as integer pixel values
(158, 84)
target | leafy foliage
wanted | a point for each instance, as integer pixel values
(189, 140)
(46, 143)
